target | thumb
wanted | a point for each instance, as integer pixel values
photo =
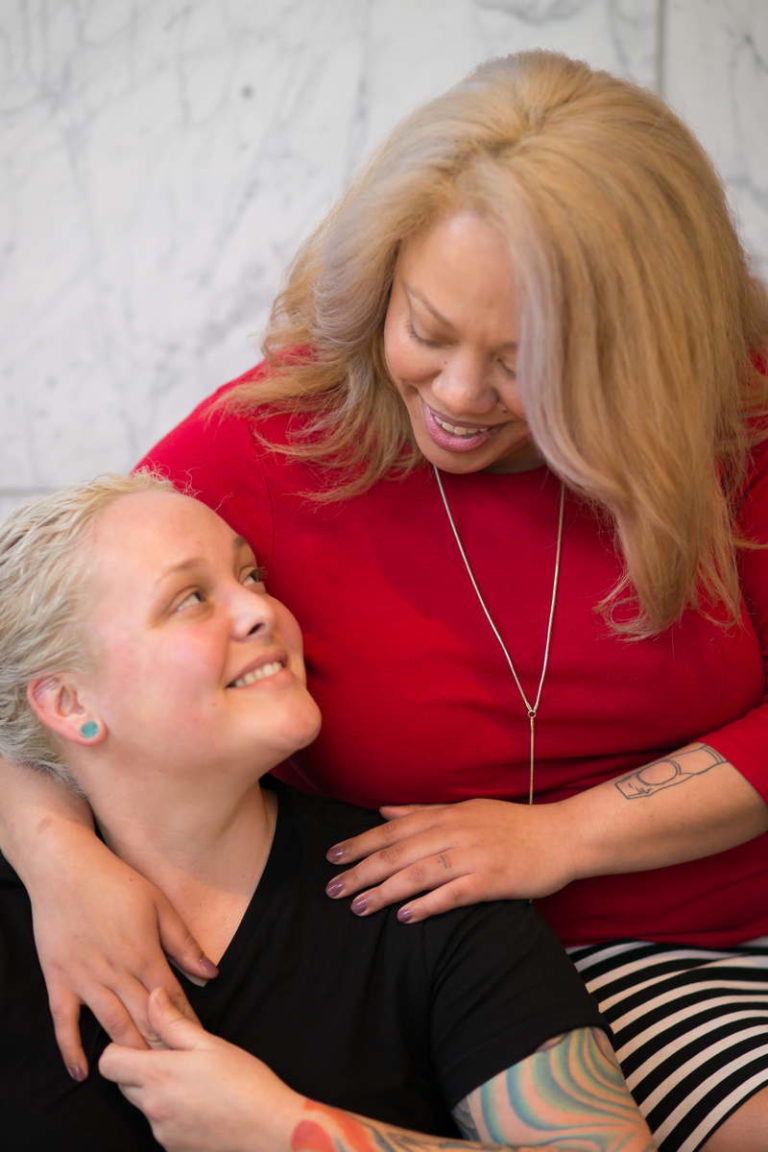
(171, 1027)
(179, 943)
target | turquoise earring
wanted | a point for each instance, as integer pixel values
(89, 729)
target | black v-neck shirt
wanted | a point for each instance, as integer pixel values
(396, 1022)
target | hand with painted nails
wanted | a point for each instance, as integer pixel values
(200, 1092)
(108, 948)
(455, 854)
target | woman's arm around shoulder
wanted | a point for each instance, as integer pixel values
(202, 1094)
(101, 930)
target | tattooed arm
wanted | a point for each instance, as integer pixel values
(570, 1095)
(202, 1094)
(689, 804)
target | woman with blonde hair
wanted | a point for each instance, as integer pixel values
(508, 450)
(145, 664)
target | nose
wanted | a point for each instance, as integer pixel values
(463, 385)
(251, 614)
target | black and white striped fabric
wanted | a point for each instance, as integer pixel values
(690, 1028)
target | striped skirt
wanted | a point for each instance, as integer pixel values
(690, 1028)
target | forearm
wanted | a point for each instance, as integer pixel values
(36, 811)
(689, 804)
(324, 1129)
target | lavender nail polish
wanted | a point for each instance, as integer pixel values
(359, 905)
(404, 915)
(334, 888)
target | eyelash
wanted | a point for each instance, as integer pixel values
(420, 339)
(257, 574)
(510, 372)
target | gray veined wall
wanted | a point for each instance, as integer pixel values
(161, 160)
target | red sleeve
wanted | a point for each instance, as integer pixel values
(744, 742)
(213, 455)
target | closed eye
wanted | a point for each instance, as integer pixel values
(423, 339)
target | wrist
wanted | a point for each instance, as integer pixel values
(574, 834)
(37, 844)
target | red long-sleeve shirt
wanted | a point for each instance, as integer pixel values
(418, 702)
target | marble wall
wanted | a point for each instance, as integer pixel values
(161, 159)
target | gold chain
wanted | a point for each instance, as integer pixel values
(531, 708)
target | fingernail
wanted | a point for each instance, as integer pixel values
(404, 915)
(76, 1072)
(334, 888)
(359, 905)
(208, 966)
(335, 855)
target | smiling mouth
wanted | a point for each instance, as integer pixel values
(262, 673)
(460, 430)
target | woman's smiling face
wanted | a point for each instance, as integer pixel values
(450, 344)
(194, 661)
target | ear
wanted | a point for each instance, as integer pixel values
(58, 705)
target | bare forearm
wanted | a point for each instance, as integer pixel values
(689, 804)
(36, 809)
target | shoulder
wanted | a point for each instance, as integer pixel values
(320, 820)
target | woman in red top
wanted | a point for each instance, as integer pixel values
(508, 459)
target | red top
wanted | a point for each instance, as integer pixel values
(418, 702)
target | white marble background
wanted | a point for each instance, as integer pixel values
(160, 160)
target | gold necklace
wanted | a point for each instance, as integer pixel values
(531, 708)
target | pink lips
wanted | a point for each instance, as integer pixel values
(449, 441)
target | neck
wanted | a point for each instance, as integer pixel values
(203, 844)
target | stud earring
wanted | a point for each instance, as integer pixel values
(89, 729)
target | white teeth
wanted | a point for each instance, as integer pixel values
(455, 430)
(258, 674)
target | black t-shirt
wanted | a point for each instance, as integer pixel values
(396, 1022)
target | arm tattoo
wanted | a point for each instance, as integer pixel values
(335, 1131)
(569, 1094)
(669, 771)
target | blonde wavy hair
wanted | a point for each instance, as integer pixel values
(44, 593)
(640, 321)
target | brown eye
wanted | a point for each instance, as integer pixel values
(256, 575)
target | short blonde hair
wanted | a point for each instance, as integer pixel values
(43, 604)
(639, 316)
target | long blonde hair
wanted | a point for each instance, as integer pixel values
(639, 317)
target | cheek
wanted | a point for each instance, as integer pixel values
(407, 363)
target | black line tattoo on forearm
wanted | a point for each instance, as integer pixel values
(669, 771)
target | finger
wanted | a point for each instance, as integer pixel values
(110, 1010)
(179, 943)
(426, 875)
(456, 894)
(174, 1028)
(65, 1011)
(396, 811)
(385, 864)
(122, 1065)
(383, 835)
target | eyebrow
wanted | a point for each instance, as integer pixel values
(193, 562)
(410, 291)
